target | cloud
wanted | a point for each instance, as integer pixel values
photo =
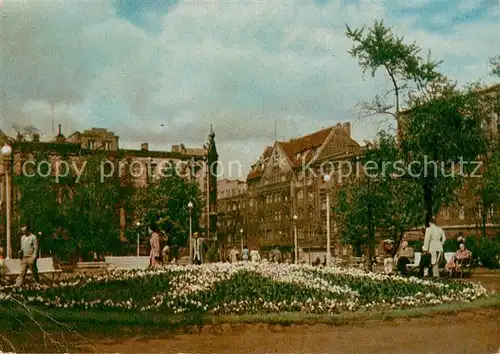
(164, 72)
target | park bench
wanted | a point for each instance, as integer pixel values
(91, 265)
(416, 262)
(127, 263)
(46, 267)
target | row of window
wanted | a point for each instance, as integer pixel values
(490, 214)
(92, 145)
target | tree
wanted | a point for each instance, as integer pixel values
(442, 123)
(165, 203)
(495, 65)
(38, 205)
(444, 133)
(381, 201)
(91, 209)
(487, 188)
(378, 48)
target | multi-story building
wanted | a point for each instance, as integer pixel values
(143, 165)
(286, 189)
(232, 205)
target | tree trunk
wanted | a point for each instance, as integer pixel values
(371, 237)
(427, 187)
(484, 214)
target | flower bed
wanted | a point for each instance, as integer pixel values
(245, 288)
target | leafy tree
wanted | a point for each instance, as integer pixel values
(91, 209)
(382, 200)
(165, 203)
(442, 123)
(495, 65)
(487, 188)
(443, 132)
(38, 205)
(379, 48)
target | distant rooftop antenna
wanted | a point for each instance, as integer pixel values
(53, 123)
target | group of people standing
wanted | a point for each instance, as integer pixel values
(159, 256)
(246, 255)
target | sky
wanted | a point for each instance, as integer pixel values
(162, 72)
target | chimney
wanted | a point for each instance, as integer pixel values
(347, 128)
(36, 137)
(144, 146)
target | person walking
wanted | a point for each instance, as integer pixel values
(433, 243)
(28, 253)
(234, 254)
(154, 242)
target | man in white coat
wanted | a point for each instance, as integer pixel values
(433, 243)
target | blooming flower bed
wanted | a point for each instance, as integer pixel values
(244, 288)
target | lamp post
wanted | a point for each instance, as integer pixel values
(138, 236)
(190, 207)
(295, 239)
(6, 154)
(328, 246)
(241, 240)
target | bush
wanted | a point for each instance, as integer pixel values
(485, 251)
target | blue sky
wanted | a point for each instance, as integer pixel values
(131, 66)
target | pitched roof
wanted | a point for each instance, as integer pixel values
(304, 148)
(305, 145)
(256, 169)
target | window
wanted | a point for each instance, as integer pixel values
(479, 211)
(300, 194)
(446, 213)
(251, 203)
(461, 213)
(107, 145)
(91, 144)
(491, 213)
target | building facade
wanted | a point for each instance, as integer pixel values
(232, 205)
(287, 191)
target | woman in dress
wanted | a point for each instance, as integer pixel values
(154, 241)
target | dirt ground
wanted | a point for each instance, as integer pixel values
(468, 332)
(476, 332)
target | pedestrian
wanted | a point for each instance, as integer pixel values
(255, 255)
(245, 254)
(28, 253)
(433, 243)
(198, 247)
(154, 242)
(234, 254)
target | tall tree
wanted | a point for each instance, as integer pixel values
(38, 205)
(382, 200)
(443, 134)
(165, 203)
(495, 65)
(379, 48)
(91, 209)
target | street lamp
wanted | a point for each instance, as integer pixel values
(241, 240)
(6, 154)
(190, 207)
(328, 246)
(138, 224)
(295, 240)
